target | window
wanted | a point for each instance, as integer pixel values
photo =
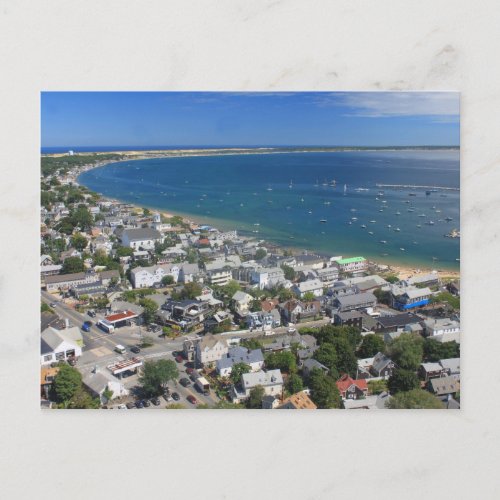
(48, 357)
(59, 356)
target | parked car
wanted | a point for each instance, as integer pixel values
(86, 326)
(130, 405)
(155, 401)
(91, 313)
(175, 396)
(189, 370)
(146, 403)
(121, 407)
(168, 397)
(135, 349)
(139, 404)
(185, 382)
(192, 399)
(52, 304)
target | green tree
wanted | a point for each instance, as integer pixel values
(108, 394)
(146, 212)
(324, 390)
(150, 308)
(156, 375)
(407, 350)
(191, 290)
(434, 350)
(308, 297)
(255, 399)
(82, 400)
(251, 343)
(377, 386)
(285, 294)
(294, 383)
(82, 218)
(124, 251)
(72, 265)
(79, 242)
(402, 380)
(416, 399)
(383, 297)
(391, 278)
(284, 361)
(65, 225)
(260, 253)
(175, 406)
(66, 383)
(289, 272)
(237, 371)
(226, 405)
(167, 280)
(255, 305)
(326, 354)
(46, 308)
(371, 345)
(448, 298)
(346, 359)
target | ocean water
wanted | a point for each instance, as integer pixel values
(288, 199)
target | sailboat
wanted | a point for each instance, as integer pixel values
(291, 184)
(345, 188)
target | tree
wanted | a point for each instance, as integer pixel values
(416, 399)
(448, 298)
(237, 371)
(324, 390)
(294, 383)
(346, 359)
(46, 308)
(108, 394)
(175, 406)
(371, 345)
(285, 294)
(308, 297)
(167, 280)
(191, 290)
(124, 251)
(79, 242)
(434, 350)
(146, 212)
(260, 253)
(66, 383)
(65, 225)
(82, 218)
(377, 386)
(406, 350)
(150, 308)
(326, 354)
(72, 265)
(226, 405)
(82, 400)
(402, 380)
(383, 297)
(255, 399)
(255, 305)
(284, 361)
(289, 272)
(251, 344)
(156, 374)
(391, 278)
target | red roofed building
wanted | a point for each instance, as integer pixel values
(352, 389)
(269, 304)
(203, 242)
(121, 318)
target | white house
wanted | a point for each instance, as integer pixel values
(210, 349)
(313, 286)
(145, 277)
(220, 277)
(242, 302)
(443, 330)
(268, 277)
(141, 238)
(271, 381)
(98, 382)
(352, 264)
(60, 345)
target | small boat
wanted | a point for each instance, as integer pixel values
(448, 219)
(389, 226)
(322, 221)
(350, 223)
(269, 188)
(427, 193)
(353, 210)
(418, 225)
(402, 249)
(444, 196)
(411, 210)
(241, 204)
(438, 211)
(256, 223)
(345, 188)
(380, 210)
(407, 201)
(430, 223)
(373, 221)
(384, 201)
(397, 213)
(363, 226)
(333, 183)
(302, 200)
(310, 212)
(397, 229)
(412, 194)
(327, 203)
(380, 193)
(354, 218)
(421, 215)
(370, 232)
(384, 242)
(291, 184)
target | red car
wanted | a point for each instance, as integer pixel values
(192, 399)
(179, 358)
(189, 370)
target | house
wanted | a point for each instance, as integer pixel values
(368, 403)
(72, 252)
(220, 277)
(294, 311)
(50, 270)
(141, 238)
(352, 265)
(352, 389)
(146, 277)
(97, 384)
(349, 318)
(410, 297)
(271, 381)
(90, 289)
(47, 375)
(298, 401)
(311, 286)
(327, 276)
(454, 288)
(443, 387)
(364, 368)
(311, 364)
(261, 320)
(355, 301)
(270, 402)
(442, 326)
(430, 279)
(268, 277)
(451, 367)
(426, 371)
(253, 358)
(60, 345)
(396, 322)
(209, 350)
(46, 260)
(54, 284)
(189, 273)
(107, 277)
(382, 366)
(242, 302)
(184, 313)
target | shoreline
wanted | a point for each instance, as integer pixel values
(403, 270)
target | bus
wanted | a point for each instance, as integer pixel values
(105, 326)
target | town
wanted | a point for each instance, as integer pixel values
(142, 309)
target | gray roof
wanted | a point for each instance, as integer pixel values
(97, 382)
(344, 316)
(358, 298)
(141, 233)
(397, 320)
(239, 355)
(380, 361)
(62, 278)
(310, 364)
(431, 367)
(50, 340)
(444, 385)
(271, 377)
(452, 364)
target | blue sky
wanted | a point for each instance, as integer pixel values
(76, 119)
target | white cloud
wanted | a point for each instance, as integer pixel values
(385, 104)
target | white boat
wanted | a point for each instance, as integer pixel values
(363, 226)
(322, 221)
(373, 221)
(384, 242)
(354, 218)
(397, 213)
(389, 226)
(421, 215)
(345, 188)
(418, 225)
(370, 232)
(430, 223)
(256, 223)
(402, 249)
(448, 219)
(397, 229)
